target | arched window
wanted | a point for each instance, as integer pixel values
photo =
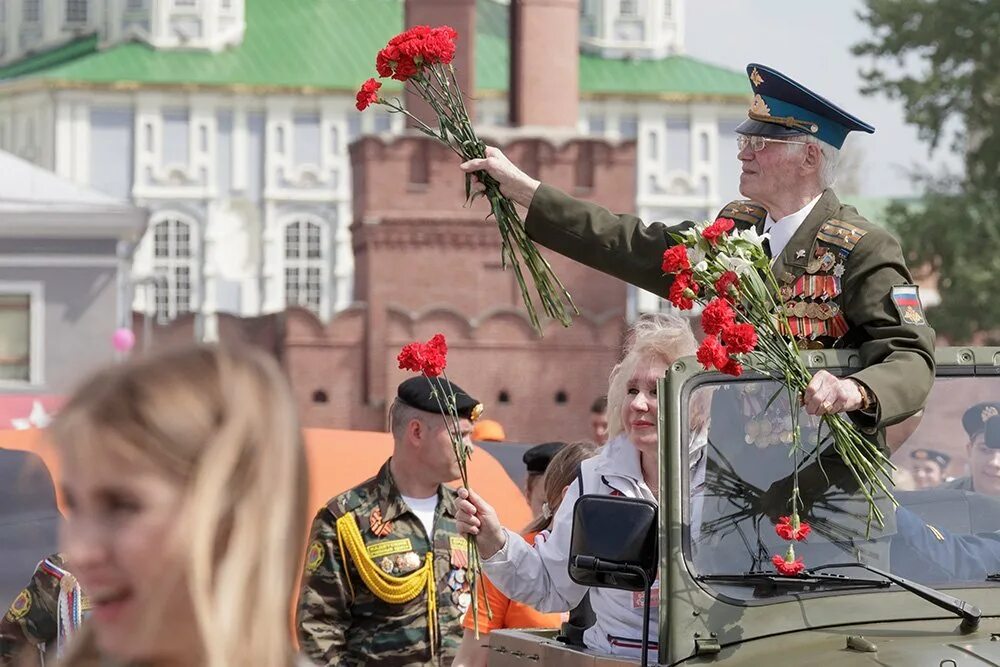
(305, 265)
(175, 259)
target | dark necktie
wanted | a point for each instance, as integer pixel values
(766, 244)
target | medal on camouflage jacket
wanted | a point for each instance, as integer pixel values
(379, 527)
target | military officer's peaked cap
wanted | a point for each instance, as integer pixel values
(538, 458)
(418, 392)
(924, 454)
(993, 432)
(783, 107)
(975, 418)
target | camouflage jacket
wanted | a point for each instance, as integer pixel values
(337, 627)
(31, 626)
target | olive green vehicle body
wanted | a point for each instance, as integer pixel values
(699, 626)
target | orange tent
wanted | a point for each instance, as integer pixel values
(338, 460)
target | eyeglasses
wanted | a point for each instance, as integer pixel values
(757, 142)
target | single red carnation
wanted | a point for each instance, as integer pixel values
(683, 291)
(791, 528)
(717, 229)
(740, 338)
(411, 357)
(435, 356)
(711, 353)
(675, 259)
(717, 316)
(732, 367)
(368, 94)
(786, 567)
(727, 286)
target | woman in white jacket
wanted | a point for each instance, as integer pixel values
(627, 466)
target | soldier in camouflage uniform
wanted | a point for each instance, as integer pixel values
(404, 516)
(43, 616)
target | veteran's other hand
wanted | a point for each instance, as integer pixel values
(828, 394)
(514, 183)
(477, 517)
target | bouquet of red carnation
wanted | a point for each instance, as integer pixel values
(728, 272)
(430, 359)
(421, 58)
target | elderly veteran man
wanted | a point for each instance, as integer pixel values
(385, 580)
(843, 279)
(982, 424)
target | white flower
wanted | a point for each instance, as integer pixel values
(750, 235)
(701, 266)
(695, 255)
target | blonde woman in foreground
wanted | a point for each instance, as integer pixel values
(185, 482)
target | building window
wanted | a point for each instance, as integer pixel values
(76, 11)
(21, 320)
(305, 262)
(174, 260)
(628, 8)
(32, 11)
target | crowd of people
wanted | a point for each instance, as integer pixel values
(184, 472)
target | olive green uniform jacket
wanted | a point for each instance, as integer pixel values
(341, 627)
(897, 356)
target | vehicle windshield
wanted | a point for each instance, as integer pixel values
(944, 532)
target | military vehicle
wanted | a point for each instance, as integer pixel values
(924, 590)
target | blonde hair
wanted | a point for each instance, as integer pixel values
(656, 336)
(222, 422)
(562, 470)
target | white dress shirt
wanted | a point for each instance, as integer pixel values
(781, 231)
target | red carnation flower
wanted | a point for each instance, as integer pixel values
(788, 564)
(435, 356)
(732, 367)
(711, 353)
(727, 284)
(429, 358)
(411, 357)
(368, 94)
(791, 528)
(788, 568)
(683, 291)
(675, 259)
(717, 229)
(717, 316)
(740, 338)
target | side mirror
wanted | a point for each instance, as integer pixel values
(614, 542)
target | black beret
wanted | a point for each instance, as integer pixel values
(993, 432)
(537, 458)
(939, 458)
(974, 419)
(417, 393)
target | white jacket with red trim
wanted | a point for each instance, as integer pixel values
(539, 577)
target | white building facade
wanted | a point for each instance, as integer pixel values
(249, 186)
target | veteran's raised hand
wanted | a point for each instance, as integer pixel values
(477, 517)
(514, 183)
(828, 394)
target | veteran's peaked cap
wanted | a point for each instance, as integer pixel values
(783, 107)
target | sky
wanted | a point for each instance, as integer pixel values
(810, 41)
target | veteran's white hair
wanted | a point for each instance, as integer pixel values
(831, 158)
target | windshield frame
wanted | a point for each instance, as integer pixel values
(694, 609)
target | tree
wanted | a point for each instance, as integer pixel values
(954, 97)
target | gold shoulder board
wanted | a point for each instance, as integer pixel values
(744, 210)
(841, 234)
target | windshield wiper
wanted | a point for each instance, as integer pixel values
(993, 577)
(969, 613)
(770, 583)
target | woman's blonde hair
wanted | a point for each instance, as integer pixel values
(222, 422)
(655, 336)
(562, 471)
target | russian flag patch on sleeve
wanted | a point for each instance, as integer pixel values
(907, 300)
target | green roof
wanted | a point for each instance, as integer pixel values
(331, 45)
